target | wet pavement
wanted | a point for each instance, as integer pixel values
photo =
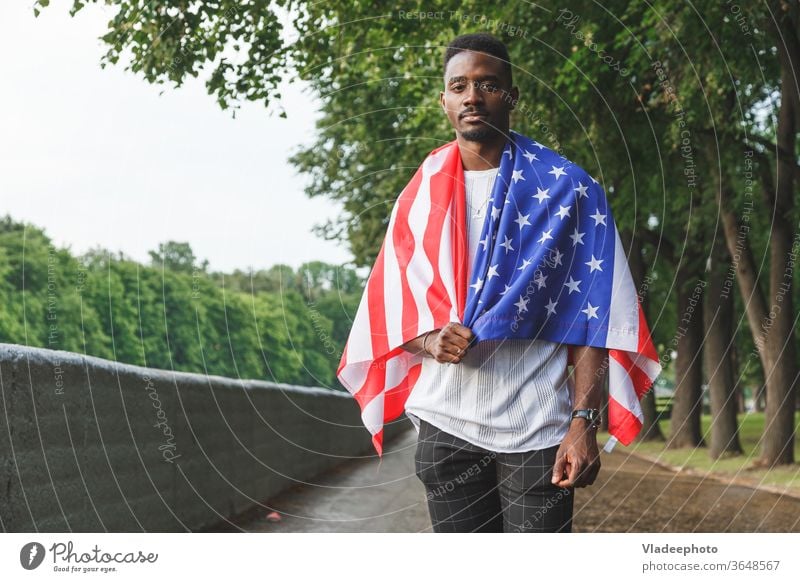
(631, 494)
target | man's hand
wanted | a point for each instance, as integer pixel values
(449, 344)
(578, 459)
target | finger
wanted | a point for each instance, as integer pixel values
(462, 331)
(456, 344)
(444, 357)
(576, 475)
(558, 470)
(455, 340)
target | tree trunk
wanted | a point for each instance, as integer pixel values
(718, 316)
(687, 403)
(781, 378)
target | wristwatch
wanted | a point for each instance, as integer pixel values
(590, 414)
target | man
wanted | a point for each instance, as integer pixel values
(505, 433)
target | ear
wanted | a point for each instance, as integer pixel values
(441, 101)
(514, 95)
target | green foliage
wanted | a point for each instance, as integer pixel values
(659, 101)
(278, 325)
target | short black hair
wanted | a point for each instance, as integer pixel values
(483, 43)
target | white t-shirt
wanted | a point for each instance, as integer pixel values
(507, 396)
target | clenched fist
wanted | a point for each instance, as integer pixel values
(449, 344)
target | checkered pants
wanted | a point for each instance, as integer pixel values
(470, 489)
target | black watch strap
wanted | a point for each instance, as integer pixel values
(590, 414)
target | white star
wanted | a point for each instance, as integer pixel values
(525, 264)
(540, 279)
(594, 264)
(590, 311)
(545, 235)
(506, 290)
(507, 244)
(551, 306)
(538, 145)
(484, 242)
(581, 190)
(557, 172)
(478, 285)
(599, 218)
(557, 257)
(493, 272)
(495, 212)
(516, 175)
(507, 151)
(529, 156)
(577, 237)
(522, 304)
(573, 285)
(542, 194)
(593, 180)
(522, 220)
(563, 212)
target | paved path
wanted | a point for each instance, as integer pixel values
(631, 494)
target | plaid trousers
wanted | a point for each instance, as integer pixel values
(470, 489)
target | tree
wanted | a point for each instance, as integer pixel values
(632, 91)
(177, 257)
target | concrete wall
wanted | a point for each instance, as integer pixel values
(91, 445)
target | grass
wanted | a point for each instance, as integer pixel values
(751, 428)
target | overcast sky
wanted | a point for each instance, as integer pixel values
(97, 157)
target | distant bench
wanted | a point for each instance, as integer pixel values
(664, 406)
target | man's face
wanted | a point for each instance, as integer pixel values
(477, 96)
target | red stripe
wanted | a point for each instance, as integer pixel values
(646, 346)
(377, 313)
(622, 423)
(459, 235)
(374, 384)
(377, 442)
(437, 297)
(395, 399)
(343, 361)
(641, 381)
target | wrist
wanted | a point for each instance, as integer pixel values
(425, 343)
(586, 418)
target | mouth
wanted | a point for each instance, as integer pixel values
(473, 117)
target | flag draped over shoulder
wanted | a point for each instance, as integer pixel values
(550, 265)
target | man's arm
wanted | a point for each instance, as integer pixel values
(447, 345)
(578, 459)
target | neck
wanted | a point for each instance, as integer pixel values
(476, 155)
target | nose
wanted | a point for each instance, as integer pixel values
(473, 94)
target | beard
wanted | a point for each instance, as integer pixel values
(479, 134)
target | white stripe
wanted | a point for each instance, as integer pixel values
(359, 343)
(446, 270)
(420, 269)
(372, 415)
(610, 444)
(623, 324)
(620, 388)
(397, 369)
(354, 375)
(651, 368)
(392, 287)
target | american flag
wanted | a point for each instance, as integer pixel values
(550, 265)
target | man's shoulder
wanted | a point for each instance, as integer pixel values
(553, 160)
